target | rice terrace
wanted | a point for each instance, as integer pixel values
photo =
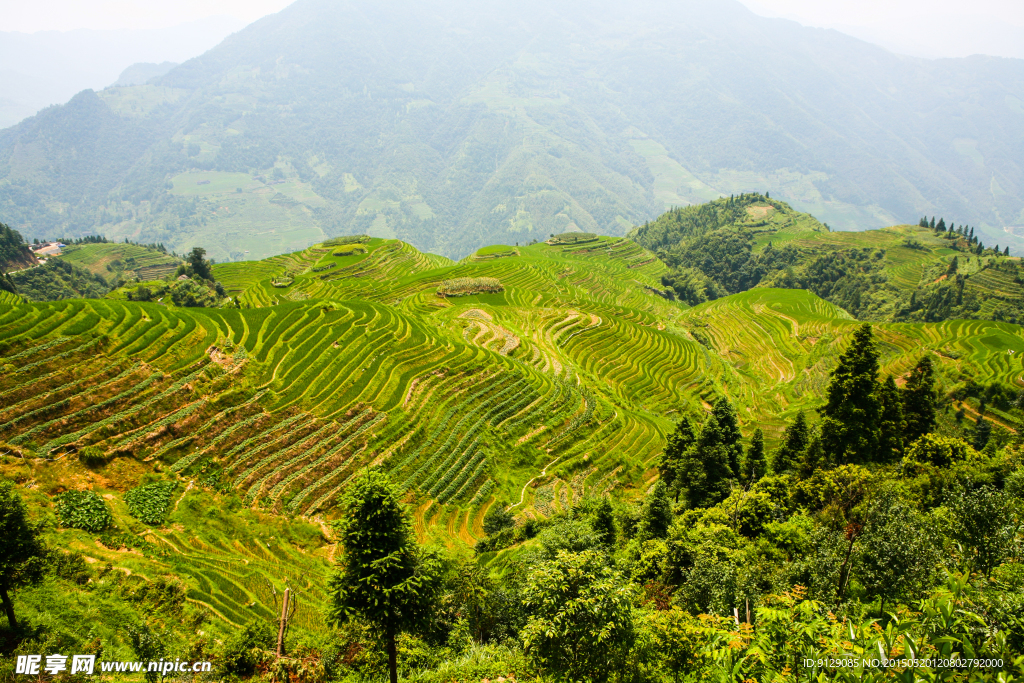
(534, 378)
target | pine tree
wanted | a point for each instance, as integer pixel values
(754, 466)
(1006, 252)
(704, 469)
(679, 441)
(933, 223)
(923, 222)
(22, 553)
(604, 522)
(892, 425)
(982, 433)
(972, 234)
(919, 401)
(941, 227)
(382, 577)
(794, 443)
(729, 432)
(850, 417)
(656, 515)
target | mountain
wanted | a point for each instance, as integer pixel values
(48, 67)
(138, 74)
(456, 125)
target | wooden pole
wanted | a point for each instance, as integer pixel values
(284, 621)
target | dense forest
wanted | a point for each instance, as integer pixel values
(13, 250)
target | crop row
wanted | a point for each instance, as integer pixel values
(466, 476)
(306, 492)
(123, 415)
(81, 348)
(184, 462)
(480, 497)
(52, 406)
(428, 465)
(127, 393)
(246, 447)
(449, 469)
(56, 394)
(280, 487)
(38, 348)
(304, 453)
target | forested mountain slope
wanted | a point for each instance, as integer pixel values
(926, 272)
(458, 125)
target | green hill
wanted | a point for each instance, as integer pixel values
(901, 273)
(538, 374)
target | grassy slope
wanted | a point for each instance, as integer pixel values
(111, 259)
(577, 366)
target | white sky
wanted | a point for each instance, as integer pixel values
(930, 28)
(926, 28)
(66, 15)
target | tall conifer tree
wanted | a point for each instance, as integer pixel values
(850, 417)
(919, 400)
(794, 443)
(891, 425)
(754, 466)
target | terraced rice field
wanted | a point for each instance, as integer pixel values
(104, 259)
(568, 380)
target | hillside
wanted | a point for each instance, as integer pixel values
(898, 274)
(539, 376)
(577, 361)
(453, 126)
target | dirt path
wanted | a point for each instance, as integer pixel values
(974, 413)
(543, 472)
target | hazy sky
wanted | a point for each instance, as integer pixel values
(931, 28)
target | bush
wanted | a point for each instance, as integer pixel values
(69, 566)
(90, 456)
(83, 510)
(150, 503)
(241, 652)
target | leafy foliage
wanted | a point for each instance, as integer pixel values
(83, 510)
(150, 503)
(56, 280)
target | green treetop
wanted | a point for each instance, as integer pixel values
(705, 469)
(850, 417)
(679, 442)
(754, 466)
(794, 443)
(729, 432)
(919, 400)
(383, 577)
(21, 551)
(892, 425)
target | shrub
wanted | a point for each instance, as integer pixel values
(90, 456)
(83, 510)
(150, 503)
(465, 286)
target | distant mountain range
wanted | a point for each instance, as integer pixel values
(453, 125)
(48, 67)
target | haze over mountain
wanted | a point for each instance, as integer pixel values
(48, 67)
(452, 125)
